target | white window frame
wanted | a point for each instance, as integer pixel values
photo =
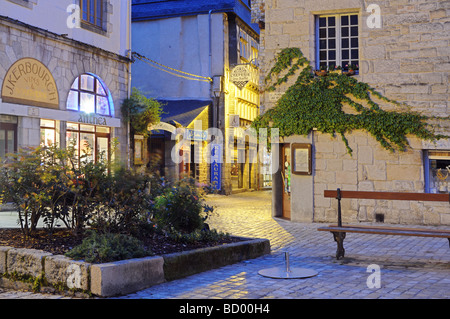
(338, 37)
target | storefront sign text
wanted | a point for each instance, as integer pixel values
(216, 166)
(91, 119)
(29, 82)
(196, 135)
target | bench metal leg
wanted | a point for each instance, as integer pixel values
(339, 239)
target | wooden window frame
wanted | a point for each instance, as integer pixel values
(294, 160)
(96, 134)
(43, 127)
(86, 22)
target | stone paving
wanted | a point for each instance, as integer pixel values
(409, 267)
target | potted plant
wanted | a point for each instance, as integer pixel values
(323, 70)
(351, 68)
(335, 69)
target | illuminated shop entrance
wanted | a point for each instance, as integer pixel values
(91, 142)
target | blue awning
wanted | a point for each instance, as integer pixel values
(182, 112)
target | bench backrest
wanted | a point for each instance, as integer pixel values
(339, 194)
(388, 195)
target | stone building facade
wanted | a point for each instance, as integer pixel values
(64, 79)
(402, 49)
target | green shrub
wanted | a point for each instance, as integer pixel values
(101, 248)
(47, 183)
(181, 208)
(123, 202)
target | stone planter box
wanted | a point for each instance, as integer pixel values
(121, 277)
(126, 276)
(179, 265)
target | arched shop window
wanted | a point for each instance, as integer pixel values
(89, 94)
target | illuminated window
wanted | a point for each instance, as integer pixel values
(437, 171)
(88, 94)
(91, 143)
(48, 132)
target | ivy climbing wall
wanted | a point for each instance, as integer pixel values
(406, 60)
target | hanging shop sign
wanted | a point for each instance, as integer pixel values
(240, 76)
(196, 135)
(30, 82)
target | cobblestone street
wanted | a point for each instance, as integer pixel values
(410, 267)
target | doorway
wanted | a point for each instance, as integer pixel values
(8, 139)
(286, 180)
(102, 147)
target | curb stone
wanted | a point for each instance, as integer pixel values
(121, 277)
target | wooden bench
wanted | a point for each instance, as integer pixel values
(339, 231)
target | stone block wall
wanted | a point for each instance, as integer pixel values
(407, 60)
(371, 168)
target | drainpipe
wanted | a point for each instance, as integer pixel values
(129, 51)
(210, 44)
(215, 101)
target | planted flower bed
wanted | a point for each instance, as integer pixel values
(99, 213)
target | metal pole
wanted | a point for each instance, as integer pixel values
(288, 269)
(338, 197)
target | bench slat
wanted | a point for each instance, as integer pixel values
(388, 231)
(395, 228)
(388, 195)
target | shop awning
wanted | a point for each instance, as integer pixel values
(182, 112)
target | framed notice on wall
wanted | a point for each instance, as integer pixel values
(301, 159)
